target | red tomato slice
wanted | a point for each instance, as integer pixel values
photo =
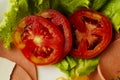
(92, 33)
(39, 40)
(63, 24)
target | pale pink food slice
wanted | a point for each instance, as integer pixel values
(109, 65)
(20, 74)
(95, 76)
(15, 55)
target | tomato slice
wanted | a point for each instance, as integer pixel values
(92, 33)
(39, 40)
(62, 23)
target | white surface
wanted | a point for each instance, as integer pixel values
(6, 68)
(44, 72)
(49, 73)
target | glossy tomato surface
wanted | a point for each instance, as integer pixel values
(92, 32)
(62, 23)
(39, 40)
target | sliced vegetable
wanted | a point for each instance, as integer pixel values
(62, 23)
(39, 40)
(92, 33)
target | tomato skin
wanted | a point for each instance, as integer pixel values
(39, 40)
(62, 23)
(92, 33)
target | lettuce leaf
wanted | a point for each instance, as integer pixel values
(36, 6)
(67, 7)
(112, 11)
(97, 4)
(77, 67)
(11, 17)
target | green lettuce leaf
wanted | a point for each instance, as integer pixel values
(67, 7)
(36, 6)
(11, 17)
(112, 11)
(97, 4)
(77, 67)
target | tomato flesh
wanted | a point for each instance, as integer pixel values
(39, 40)
(62, 23)
(92, 33)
